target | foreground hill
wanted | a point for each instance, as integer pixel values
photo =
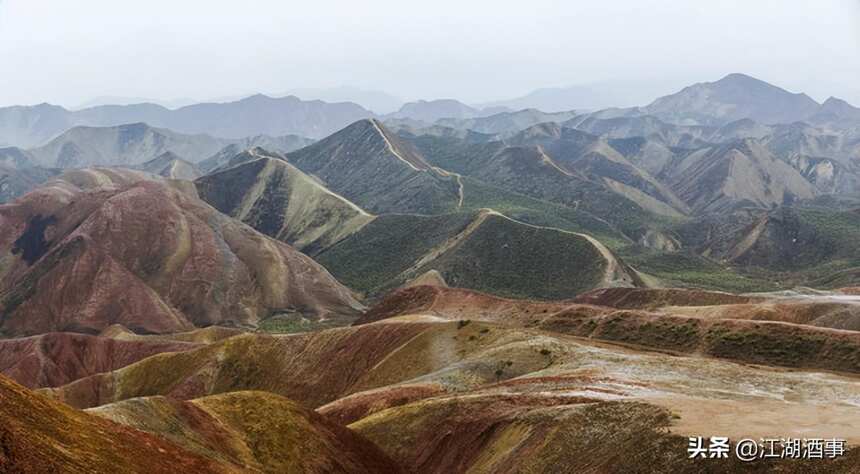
(239, 432)
(253, 431)
(279, 200)
(40, 435)
(485, 250)
(71, 266)
(448, 394)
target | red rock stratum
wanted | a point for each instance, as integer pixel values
(102, 247)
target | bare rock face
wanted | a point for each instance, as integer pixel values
(101, 247)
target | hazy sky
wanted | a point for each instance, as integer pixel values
(70, 51)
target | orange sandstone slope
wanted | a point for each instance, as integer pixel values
(455, 396)
(237, 432)
(101, 247)
(310, 368)
(38, 435)
(254, 431)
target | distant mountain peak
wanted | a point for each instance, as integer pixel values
(835, 101)
(735, 96)
(738, 77)
(839, 108)
(256, 97)
(546, 129)
(433, 110)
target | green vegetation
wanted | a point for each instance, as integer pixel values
(368, 260)
(516, 171)
(519, 261)
(797, 246)
(685, 269)
(293, 324)
(480, 195)
(484, 252)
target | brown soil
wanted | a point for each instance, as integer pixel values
(456, 303)
(648, 298)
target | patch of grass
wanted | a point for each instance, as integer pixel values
(684, 269)
(293, 324)
(519, 261)
(368, 260)
(480, 195)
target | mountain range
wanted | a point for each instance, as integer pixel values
(731, 98)
(443, 289)
(27, 127)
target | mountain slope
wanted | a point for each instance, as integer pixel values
(284, 144)
(646, 126)
(836, 112)
(69, 264)
(532, 169)
(370, 166)
(741, 173)
(16, 182)
(279, 200)
(27, 127)
(171, 166)
(12, 157)
(485, 251)
(783, 239)
(575, 152)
